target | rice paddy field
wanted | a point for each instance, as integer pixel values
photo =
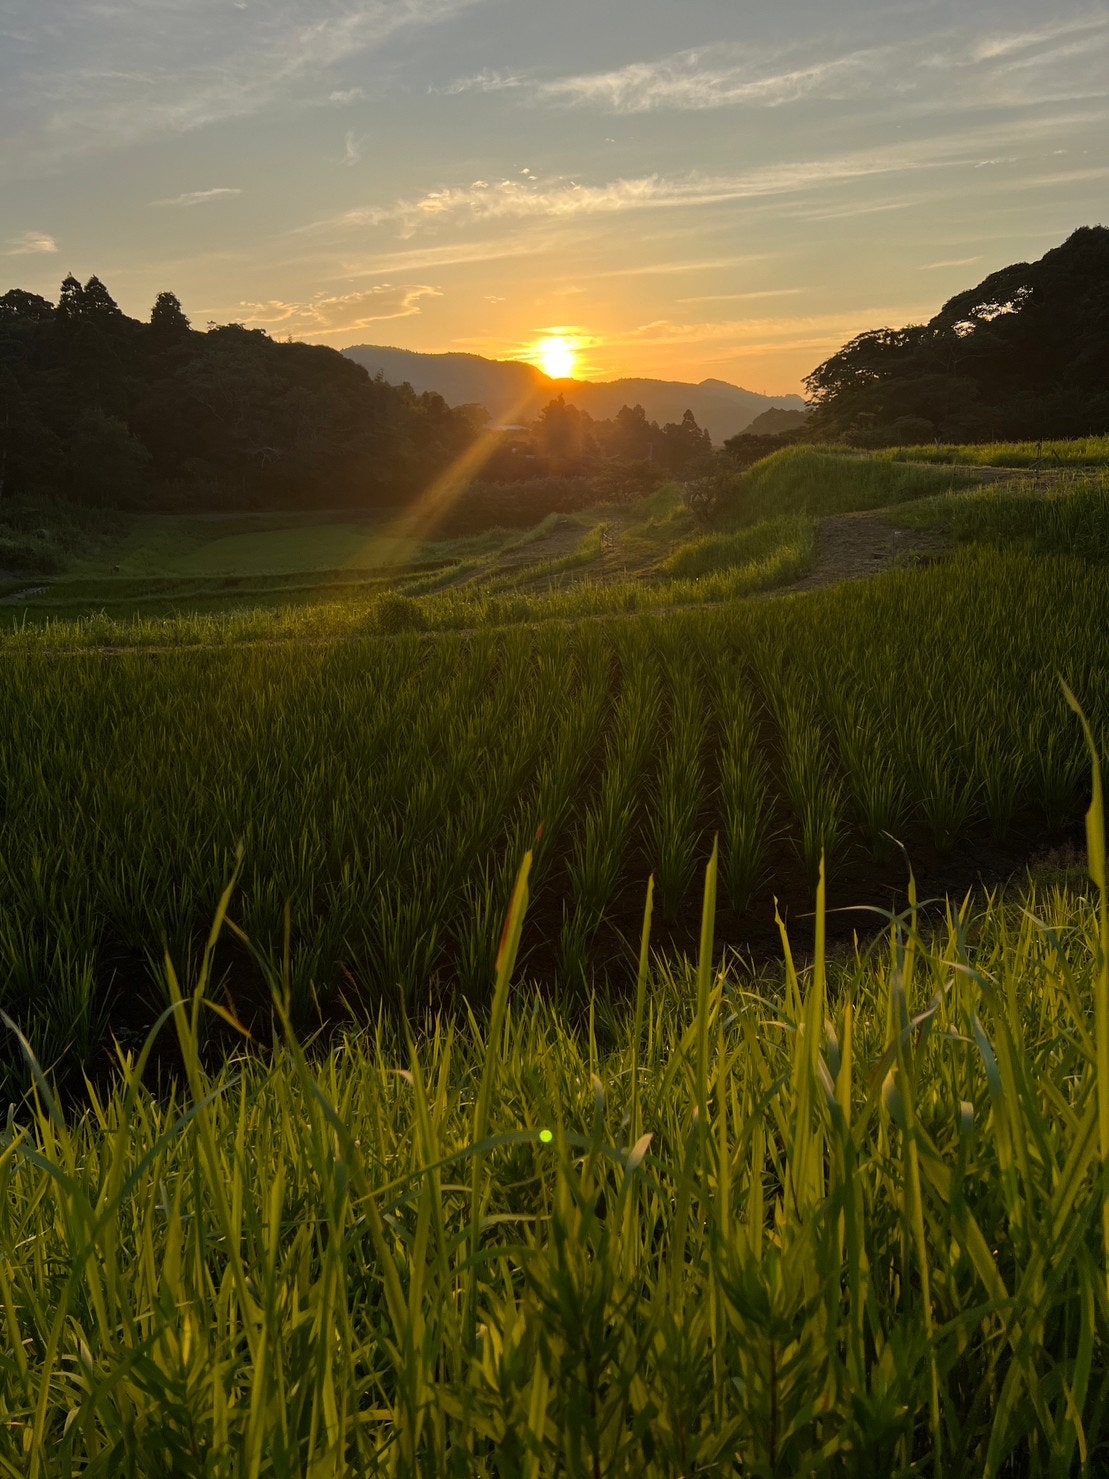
(540, 1029)
(1087, 452)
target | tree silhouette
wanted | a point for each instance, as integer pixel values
(71, 299)
(97, 302)
(168, 324)
(1024, 354)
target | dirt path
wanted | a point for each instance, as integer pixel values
(853, 546)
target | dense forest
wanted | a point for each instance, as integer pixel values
(98, 408)
(1025, 354)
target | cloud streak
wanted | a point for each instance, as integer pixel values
(566, 199)
(136, 70)
(950, 262)
(745, 297)
(199, 197)
(31, 244)
(327, 314)
(696, 80)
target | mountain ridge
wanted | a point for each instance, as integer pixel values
(514, 391)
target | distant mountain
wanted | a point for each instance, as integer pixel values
(512, 391)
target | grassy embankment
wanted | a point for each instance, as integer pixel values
(1072, 519)
(818, 482)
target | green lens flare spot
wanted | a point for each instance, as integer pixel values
(546, 1136)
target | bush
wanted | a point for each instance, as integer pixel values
(711, 552)
(393, 613)
(707, 498)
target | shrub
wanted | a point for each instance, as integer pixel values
(393, 613)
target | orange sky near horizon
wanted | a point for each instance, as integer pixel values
(712, 190)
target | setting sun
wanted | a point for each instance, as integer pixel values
(557, 357)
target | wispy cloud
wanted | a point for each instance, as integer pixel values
(744, 297)
(135, 70)
(345, 313)
(352, 148)
(688, 264)
(715, 78)
(343, 97)
(31, 244)
(1020, 68)
(503, 247)
(563, 199)
(200, 197)
(950, 262)
(800, 331)
(486, 81)
(999, 46)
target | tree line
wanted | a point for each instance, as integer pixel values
(99, 408)
(629, 451)
(1024, 355)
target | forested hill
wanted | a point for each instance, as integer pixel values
(101, 408)
(1023, 355)
(512, 391)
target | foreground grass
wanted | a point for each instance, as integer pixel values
(846, 1220)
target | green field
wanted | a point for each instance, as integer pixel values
(757, 1191)
(166, 580)
(1088, 452)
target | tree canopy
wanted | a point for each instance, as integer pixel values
(1023, 355)
(97, 407)
(100, 408)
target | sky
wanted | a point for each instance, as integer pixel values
(683, 188)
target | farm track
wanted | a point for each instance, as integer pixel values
(855, 546)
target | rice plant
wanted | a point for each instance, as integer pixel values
(674, 829)
(814, 791)
(746, 799)
(852, 1217)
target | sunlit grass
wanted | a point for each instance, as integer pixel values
(820, 482)
(845, 1215)
(1076, 452)
(1071, 519)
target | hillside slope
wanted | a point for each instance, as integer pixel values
(511, 390)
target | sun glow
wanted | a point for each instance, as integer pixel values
(557, 357)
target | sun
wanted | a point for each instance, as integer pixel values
(557, 357)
